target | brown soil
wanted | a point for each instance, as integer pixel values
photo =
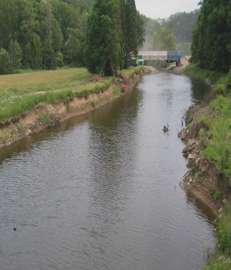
(203, 180)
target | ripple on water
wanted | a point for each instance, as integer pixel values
(104, 193)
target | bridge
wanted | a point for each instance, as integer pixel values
(167, 56)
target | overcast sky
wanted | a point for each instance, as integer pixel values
(165, 8)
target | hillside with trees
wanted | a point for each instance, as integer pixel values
(179, 26)
(164, 40)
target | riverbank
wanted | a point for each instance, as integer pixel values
(207, 137)
(35, 101)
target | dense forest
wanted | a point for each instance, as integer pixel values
(41, 33)
(46, 34)
(211, 47)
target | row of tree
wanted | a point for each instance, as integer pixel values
(41, 33)
(36, 34)
(114, 34)
(211, 47)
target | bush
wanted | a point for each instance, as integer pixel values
(5, 66)
(219, 263)
(224, 231)
(59, 59)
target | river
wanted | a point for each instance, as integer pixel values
(103, 193)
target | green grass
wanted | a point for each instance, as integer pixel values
(218, 149)
(116, 90)
(45, 119)
(221, 259)
(219, 262)
(131, 71)
(22, 92)
(218, 121)
(203, 74)
(216, 195)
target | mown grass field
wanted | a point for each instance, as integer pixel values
(21, 92)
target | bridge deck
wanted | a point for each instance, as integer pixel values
(160, 55)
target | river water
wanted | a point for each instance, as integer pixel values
(103, 193)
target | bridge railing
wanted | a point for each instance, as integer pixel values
(168, 56)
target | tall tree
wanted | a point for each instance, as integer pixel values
(211, 47)
(133, 30)
(102, 52)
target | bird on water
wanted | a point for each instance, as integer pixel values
(166, 128)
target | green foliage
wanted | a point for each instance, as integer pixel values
(15, 54)
(221, 259)
(51, 33)
(218, 136)
(194, 71)
(219, 262)
(219, 147)
(164, 40)
(133, 30)
(180, 25)
(102, 42)
(73, 47)
(22, 92)
(216, 195)
(5, 66)
(59, 59)
(45, 119)
(224, 231)
(116, 90)
(129, 72)
(38, 34)
(114, 33)
(211, 47)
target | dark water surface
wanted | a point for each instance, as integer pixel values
(104, 194)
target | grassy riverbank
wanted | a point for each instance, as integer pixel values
(221, 260)
(22, 92)
(33, 101)
(211, 126)
(216, 136)
(203, 74)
